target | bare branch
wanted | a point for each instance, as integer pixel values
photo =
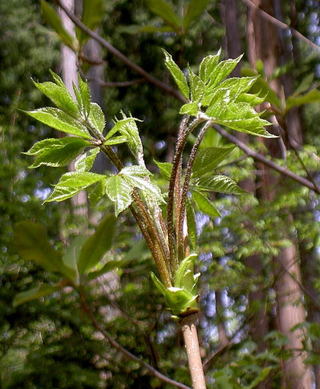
(259, 157)
(117, 84)
(168, 89)
(280, 24)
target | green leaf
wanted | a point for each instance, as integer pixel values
(166, 12)
(197, 86)
(96, 117)
(185, 277)
(56, 152)
(59, 95)
(177, 74)
(31, 242)
(85, 162)
(204, 205)
(109, 266)
(52, 18)
(178, 300)
(221, 71)
(191, 109)
(240, 117)
(128, 128)
(312, 96)
(96, 192)
(194, 9)
(191, 223)
(207, 66)
(119, 191)
(135, 176)
(209, 159)
(34, 294)
(72, 183)
(59, 120)
(218, 183)
(83, 96)
(71, 255)
(93, 12)
(95, 247)
(165, 168)
(116, 140)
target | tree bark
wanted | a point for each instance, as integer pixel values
(264, 45)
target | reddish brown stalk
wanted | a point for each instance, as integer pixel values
(185, 189)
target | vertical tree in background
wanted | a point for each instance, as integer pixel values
(264, 45)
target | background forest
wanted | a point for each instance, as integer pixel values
(259, 324)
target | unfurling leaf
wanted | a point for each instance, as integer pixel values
(85, 162)
(96, 117)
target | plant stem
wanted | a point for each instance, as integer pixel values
(185, 189)
(190, 336)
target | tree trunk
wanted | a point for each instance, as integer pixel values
(263, 44)
(69, 72)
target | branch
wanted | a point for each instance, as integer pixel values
(280, 24)
(117, 84)
(87, 309)
(168, 89)
(259, 157)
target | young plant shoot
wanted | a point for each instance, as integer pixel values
(168, 227)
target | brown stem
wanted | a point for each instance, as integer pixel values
(184, 131)
(189, 331)
(151, 370)
(185, 189)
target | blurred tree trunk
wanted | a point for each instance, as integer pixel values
(264, 44)
(259, 323)
(69, 70)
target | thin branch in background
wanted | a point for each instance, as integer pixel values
(117, 84)
(280, 24)
(87, 309)
(259, 157)
(138, 69)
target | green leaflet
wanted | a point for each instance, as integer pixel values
(59, 95)
(119, 191)
(56, 152)
(97, 244)
(182, 297)
(128, 128)
(83, 97)
(194, 9)
(135, 176)
(116, 140)
(55, 118)
(72, 183)
(197, 86)
(71, 255)
(207, 66)
(204, 205)
(218, 183)
(209, 159)
(166, 12)
(312, 96)
(33, 294)
(85, 162)
(165, 168)
(190, 109)
(31, 242)
(96, 117)
(52, 17)
(177, 74)
(221, 71)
